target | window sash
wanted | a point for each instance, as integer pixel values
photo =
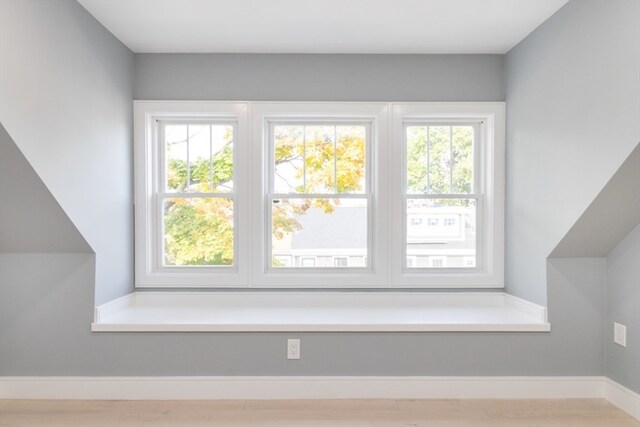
(317, 121)
(268, 227)
(161, 192)
(476, 194)
(477, 161)
(406, 269)
(160, 236)
(272, 195)
(159, 142)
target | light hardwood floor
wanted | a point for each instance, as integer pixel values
(315, 413)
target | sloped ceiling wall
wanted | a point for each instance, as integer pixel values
(573, 117)
(66, 86)
(31, 221)
(609, 218)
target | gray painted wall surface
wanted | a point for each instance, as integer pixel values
(46, 311)
(281, 77)
(46, 300)
(609, 218)
(30, 218)
(573, 116)
(66, 86)
(623, 306)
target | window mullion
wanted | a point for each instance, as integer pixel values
(211, 158)
(451, 159)
(428, 161)
(304, 157)
(318, 195)
(443, 196)
(188, 161)
(182, 195)
(335, 160)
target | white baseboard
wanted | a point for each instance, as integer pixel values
(622, 397)
(169, 388)
(204, 388)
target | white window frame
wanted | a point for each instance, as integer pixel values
(385, 167)
(148, 153)
(489, 169)
(375, 115)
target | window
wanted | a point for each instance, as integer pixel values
(441, 181)
(448, 171)
(191, 224)
(307, 261)
(448, 222)
(437, 261)
(282, 260)
(317, 194)
(196, 194)
(321, 195)
(341, 261)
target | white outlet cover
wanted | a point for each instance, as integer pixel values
(620, 334)
(293, 349)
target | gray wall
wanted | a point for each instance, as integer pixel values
(46, 300)
(623, 306)
(30, 218)
(279, 77)
(66, 86)
(573, 109)
(46, 310)
(601, 227)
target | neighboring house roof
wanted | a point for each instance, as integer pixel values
(346, 227)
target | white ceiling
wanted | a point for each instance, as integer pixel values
(322, 26)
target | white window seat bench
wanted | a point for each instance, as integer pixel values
(319, 311)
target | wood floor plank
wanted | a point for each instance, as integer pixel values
(315, 413)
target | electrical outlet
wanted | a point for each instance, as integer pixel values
(620, 334)
(293, 349)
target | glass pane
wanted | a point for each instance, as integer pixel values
(314, 232)
(341, 261)
(198, 231)
(439, 146)
(350, 159)
(462, 149)
(289, 159)
(199, 158)
(175, 143)
(417, 159)
(319, 159)
(441, 233)
(439, 159)
(222, 148)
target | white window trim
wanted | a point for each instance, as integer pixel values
(148, 243)
(385, 165)
(375, 274)
(491, 203)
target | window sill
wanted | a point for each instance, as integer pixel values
(320, 312)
